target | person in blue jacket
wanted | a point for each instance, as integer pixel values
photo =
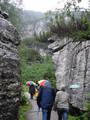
(45, 101)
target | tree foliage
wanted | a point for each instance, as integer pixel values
(12, 8)
(42, 36)
(35, 71)
(70, 20)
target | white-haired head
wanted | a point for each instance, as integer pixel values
(62, 87)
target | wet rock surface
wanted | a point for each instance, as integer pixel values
(10, 73)
(72, 66)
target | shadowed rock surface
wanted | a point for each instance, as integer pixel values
(72, 66)
(10, 73)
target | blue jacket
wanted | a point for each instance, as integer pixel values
(46, 97)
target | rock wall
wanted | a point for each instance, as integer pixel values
(72, 66)
(10, 73)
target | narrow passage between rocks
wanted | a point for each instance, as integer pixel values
(33, 114)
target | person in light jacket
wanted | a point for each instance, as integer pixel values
(62, 103)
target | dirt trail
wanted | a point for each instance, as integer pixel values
(34, 115)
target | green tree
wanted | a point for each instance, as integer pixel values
(70, 21)
(12, 8)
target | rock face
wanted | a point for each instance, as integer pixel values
(72, 66)
(10, 73)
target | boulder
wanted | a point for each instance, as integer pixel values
(10, 72)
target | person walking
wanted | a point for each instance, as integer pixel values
(45, 101)
(32, 90)
(62, 103)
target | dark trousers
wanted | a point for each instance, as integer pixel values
(62, 113)
(31, 95)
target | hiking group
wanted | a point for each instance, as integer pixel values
(49, 98)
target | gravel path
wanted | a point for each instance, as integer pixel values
(34, 115)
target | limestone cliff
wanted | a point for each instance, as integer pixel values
(10, 73)
(72, 66)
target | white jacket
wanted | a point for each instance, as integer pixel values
(62, 99)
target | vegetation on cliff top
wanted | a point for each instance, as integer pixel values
(71, 21)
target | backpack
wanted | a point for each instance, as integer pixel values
(47, 98)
